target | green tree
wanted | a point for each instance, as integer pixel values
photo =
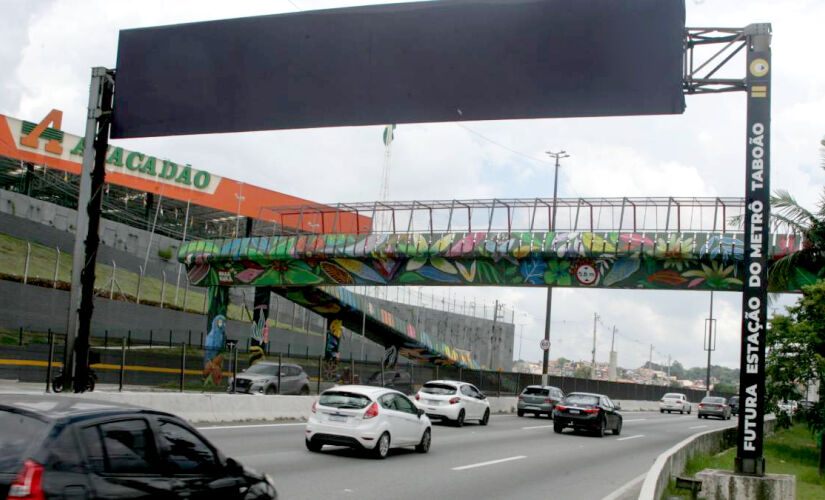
(796, 355)
(582, 371)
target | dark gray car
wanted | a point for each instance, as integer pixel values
(263, 378)
(538, 400)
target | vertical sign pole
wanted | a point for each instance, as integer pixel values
(749, 459)
(98, 119)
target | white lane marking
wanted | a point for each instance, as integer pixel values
(631, 437)
(625, 488)
(491, 462)
(634, 420)
(537, 427)
(698, 427)
(250, 426)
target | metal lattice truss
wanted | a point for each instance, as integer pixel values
(706, 56)
(649, 214)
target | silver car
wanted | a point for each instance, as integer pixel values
(538, 400)
(714, 407)
(263, 378)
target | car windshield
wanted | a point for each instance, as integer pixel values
(438, 389)
(581, 399)
(262, 369)
(17, 432)
(714, 401)
(341, 399)
(538, 391)
(672, 395)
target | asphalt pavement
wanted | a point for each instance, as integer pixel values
(511, 458)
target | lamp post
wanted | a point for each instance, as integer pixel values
(546, 356)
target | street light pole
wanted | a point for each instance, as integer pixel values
(546, 356)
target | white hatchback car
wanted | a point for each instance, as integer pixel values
(453, 401)
(674, 401)
(369, 418)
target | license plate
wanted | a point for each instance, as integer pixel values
(338, 418)
(530, 407)
(575, 412)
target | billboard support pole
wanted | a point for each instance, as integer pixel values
(96, 140)
(749, 458)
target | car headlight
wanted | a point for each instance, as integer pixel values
(260, 382)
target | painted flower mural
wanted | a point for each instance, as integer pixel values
(617, 260)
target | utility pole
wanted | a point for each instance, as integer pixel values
(650, 359)
(668, 367)
(710, 342)
(493, 333)
(593, 363)
(613, 366)
(546, 357)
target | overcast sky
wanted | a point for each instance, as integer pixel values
(49, 47)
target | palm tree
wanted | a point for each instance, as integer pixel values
(787, 215)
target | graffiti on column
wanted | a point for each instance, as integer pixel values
(213, 359)
(259, 336)
(333, 344)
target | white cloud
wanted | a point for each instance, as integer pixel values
(50, 47)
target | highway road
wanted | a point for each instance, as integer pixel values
(511, 458)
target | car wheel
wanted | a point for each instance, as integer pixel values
(424, 445)
(57, 384)
(690, 408)
(558, 427)
(520, 413)
(661, 410)
(459, 422)
(602, 428)
(618, 429)
(304, 391)
(382, 447)
(728, 417)
(313, 446)
(486, 418)
(270, 390)
(681, 412)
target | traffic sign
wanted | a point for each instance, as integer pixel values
(544, 344)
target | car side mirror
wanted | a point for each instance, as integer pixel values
(233, 467)
(420, 412)
(482, 396)
(618, 405)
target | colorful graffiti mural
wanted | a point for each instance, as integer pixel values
(384, 326)
(214, 344)
(699, 261)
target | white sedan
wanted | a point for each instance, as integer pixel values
(453, 401)
(369, 418)
(674, 401)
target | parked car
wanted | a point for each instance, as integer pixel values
(399, 380)
(538, 400)
(789, 407)
(453, 401)
(63, 447)
(674, 401)
(733, 402)
(368, 418)
(712, 406)
(262, 378)
(587, 411)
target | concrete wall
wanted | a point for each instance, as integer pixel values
(672, 462)
(237, 408)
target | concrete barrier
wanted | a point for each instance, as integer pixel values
(208, 407)
(672, 462)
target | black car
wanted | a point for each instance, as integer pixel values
(586, 411)
(733, 402)
(62, 447)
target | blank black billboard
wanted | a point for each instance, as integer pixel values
(449, 60)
